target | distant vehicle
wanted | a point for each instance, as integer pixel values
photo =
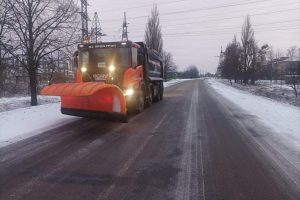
(113, 78)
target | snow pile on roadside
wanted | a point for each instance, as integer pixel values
(11, 103)
(174, 81)
(22, 123)
(279, 92)
(283, 119)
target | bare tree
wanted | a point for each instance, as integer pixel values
(270, 53)
(55, 67)
(278, 54)
(40, 28)
(153, 35)
(3, 29)
(294, 81)
(291, 52)
(3, 17)
(249, 51)
(168, 63)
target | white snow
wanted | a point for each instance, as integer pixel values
(282, 119)
(174, 81)
(270, 89)
(19, 121)
(11, 103)
(22, 123)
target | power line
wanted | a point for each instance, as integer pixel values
(199, 9)
(209, 20)
(222, 33)
(142, 6)
(254, 25)
(280, 11)
(240, 10)
(234, 17)
(212, 28)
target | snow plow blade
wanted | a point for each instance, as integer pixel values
(93, 100)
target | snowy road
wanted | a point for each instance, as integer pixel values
(195, 144)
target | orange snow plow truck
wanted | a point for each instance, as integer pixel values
(112, 79)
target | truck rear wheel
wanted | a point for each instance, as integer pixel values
(161, 91)
(157, 97)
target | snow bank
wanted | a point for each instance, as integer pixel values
(282, 93)
(174, 81)
(11, 103)
(283, 119)
(22, 123)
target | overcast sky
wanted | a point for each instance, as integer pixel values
(195, 30)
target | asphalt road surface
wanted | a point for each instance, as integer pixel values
(192, 145)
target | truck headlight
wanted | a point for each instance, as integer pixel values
(83, 69)
(128, 92)
(111, 68)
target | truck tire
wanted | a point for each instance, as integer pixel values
(140, 105)
(161, 91)
(150, 99)
(157, 96)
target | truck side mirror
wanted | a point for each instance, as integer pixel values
(140, 59)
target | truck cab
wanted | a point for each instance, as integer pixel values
(134, 68)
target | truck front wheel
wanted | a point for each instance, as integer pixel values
(140, 105)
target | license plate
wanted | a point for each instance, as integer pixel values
(100, 77)
(101, 65)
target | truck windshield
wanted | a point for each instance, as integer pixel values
(101, 58)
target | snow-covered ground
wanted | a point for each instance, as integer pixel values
(174, 81)
(19, 121)
(282, 119)
(22, 123)
(11, 103)
(276, 90)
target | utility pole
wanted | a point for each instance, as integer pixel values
(96, 30)
(221, 57)
(84, 21)
(125, 25)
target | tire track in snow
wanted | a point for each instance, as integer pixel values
(188, 186)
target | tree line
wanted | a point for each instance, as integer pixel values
(245, 62)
